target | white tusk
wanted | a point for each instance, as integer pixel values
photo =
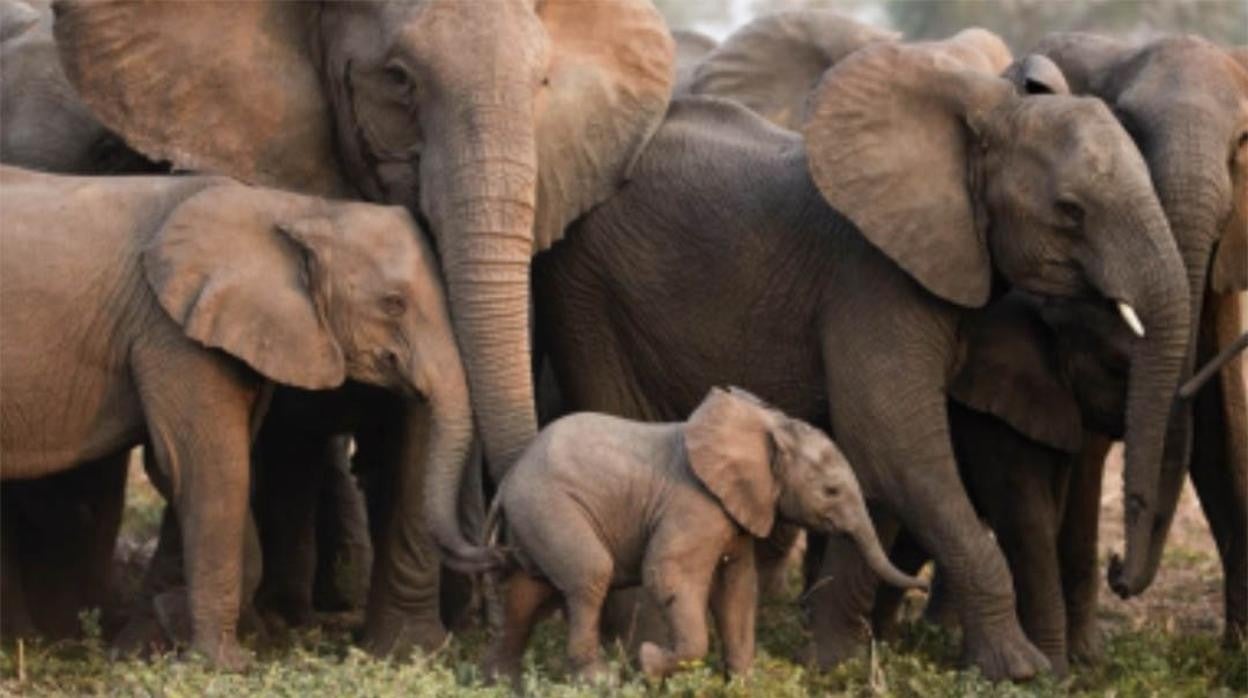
(1132, 320)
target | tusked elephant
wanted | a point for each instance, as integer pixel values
(831, 276)
(1185, 102)
(496, 123)
(165, 308)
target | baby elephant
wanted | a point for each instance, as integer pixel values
(598, 502)
(163, 310)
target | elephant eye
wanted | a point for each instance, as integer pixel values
(1070, 213)
(394, 305)
(831, 491)
(397, 76)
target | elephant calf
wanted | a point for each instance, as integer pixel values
(598, 502)
(162, 310)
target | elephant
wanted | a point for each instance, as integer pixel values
(45, 125)
(192, 297)
(700, 493)
(1185, 102)
(772, 63)
(831, 276)
(495, 124)
(1195, 142)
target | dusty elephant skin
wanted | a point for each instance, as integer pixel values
(699, 494)
(498, 123)
(1195, 141)
(174, 304)
(852, 313)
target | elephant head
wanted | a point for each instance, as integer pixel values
(496, 122)
(1185, 103)
(756, 461)
(959, 177)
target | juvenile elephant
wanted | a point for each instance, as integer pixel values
(918, 183)
(498, 123)
(598, 502)
(164, 309)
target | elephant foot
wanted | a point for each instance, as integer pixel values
(174, 615)
(396, 635)
(595, 673)
(295, 610)
(835, 643)
(1087, 644)
(500, 667)
(1004, 654)
(653, 660)
(141, 636)
(225, 655)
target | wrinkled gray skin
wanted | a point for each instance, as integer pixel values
(291, 289)
(43, 123)
(699, 493)
(805, 323)
(58, 530)
(496, 123)
(1185, 101)
(1195, 139)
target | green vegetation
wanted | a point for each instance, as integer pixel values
(921, 663)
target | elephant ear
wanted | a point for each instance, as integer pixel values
(1011, 372)
(691, 48)
(612, 68)
(237, 268)
(772, 64)
(728, 439)
(1229, 272)
(212, 85)
(16, 18)
(976, 49)
(888, 145)
(1035, 74)
(1086, 60)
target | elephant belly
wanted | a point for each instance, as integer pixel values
(51, 425)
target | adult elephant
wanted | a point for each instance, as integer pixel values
(496, 122)
(1185, 102)
(731, 258)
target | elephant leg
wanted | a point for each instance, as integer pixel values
(199, 414)
(63, 529)
(773, 554)
(1077, 554)
(294, 464)
(526, 600)
(15, 620)
(841, 591)
(734, 605)
(685, 599)
(404, 592)
(1219, 462)
(893, 425)
(909, 557)
(344, 553)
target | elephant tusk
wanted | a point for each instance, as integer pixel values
(1132, 320)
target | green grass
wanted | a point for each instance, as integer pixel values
(922, 663)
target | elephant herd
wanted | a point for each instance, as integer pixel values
(362, 250)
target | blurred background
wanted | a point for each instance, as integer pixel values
(1020, 22)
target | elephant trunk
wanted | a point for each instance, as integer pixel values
(1191, 200)
(479, 183)
(863, 534)
(1155, 284)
